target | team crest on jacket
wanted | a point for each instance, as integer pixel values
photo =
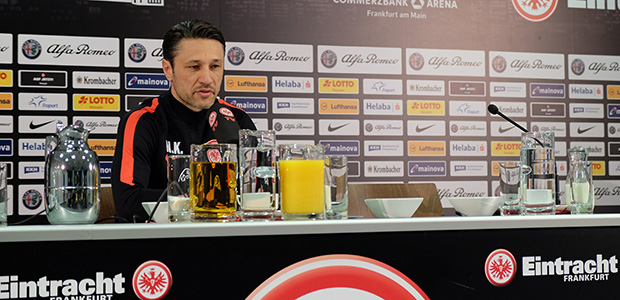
(225, 111)
(212, 118)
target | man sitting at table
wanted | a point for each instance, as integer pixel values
(188, 113)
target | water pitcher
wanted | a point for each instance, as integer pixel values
(72, 178)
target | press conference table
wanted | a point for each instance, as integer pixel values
(444, 256)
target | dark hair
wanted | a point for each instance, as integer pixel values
(194, 29)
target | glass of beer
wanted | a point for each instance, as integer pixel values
(302, 181)
(213, 182)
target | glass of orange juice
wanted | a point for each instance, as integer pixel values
(302, 181)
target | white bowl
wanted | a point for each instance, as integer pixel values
(393, 207)
(476, 206)
(161, 214)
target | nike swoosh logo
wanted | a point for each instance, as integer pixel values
(331, 129)
(420, 129)
(580, 131)
(502, 130)
(37, 126)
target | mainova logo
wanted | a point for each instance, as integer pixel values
(426, 168)
(535, 10)
(142, 81)
(350, 148)
(257, 105)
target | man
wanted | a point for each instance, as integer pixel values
(189, 113)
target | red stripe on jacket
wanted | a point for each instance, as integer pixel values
(127, 160)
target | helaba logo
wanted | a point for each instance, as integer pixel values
(32, 199)
(31, 49)
(235, 56)
(416, 61)
(535, 10)
(329, 59)
(152, 280)
(136, 52)
(577, 66)
(500, 267)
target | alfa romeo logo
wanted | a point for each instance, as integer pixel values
(500, 267)
(152, 280)
(535, 10)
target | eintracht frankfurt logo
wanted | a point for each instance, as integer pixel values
(535, 10)
(152, 280)
(500, 267)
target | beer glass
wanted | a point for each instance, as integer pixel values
(213, 182)
(302, 181)
(257, 174)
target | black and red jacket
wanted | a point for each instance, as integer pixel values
(156, 128)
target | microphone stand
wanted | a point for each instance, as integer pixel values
(493, 109)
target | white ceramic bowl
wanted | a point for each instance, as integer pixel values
(393, 207)
(475, 206)
(161, 214)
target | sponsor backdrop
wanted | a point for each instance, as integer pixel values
(400, 86)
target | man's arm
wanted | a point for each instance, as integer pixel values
(136, 150)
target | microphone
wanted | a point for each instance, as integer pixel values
(495, 111)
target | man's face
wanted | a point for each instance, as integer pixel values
(197, 74)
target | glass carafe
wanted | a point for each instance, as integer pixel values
(575, 155)
(72, 177)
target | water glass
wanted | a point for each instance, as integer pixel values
(301, 171)
(538, 189)
(581, 187)
(336, 189)
(213, 182)
(509, 182)
(178, 188)
(257, 175)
